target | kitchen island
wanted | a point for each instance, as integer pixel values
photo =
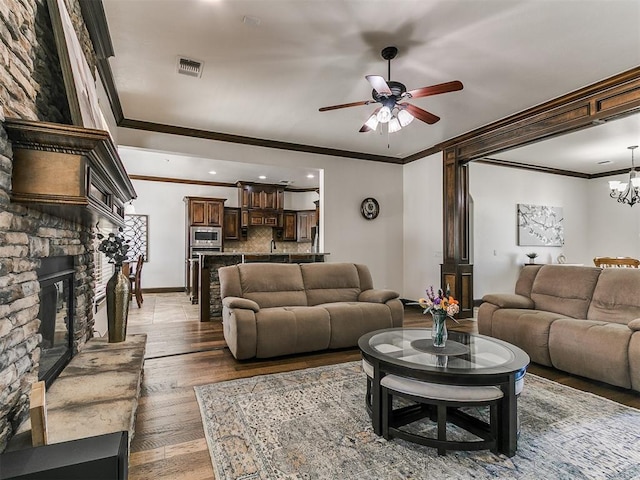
(206, 283)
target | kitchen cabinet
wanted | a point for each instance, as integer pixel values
(260, 217)
(289, 222)
(305, 219)
(259, 196)
(205, 211)
(231, 227)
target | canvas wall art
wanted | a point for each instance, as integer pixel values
(540, 225)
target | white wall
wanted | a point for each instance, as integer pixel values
(595, 225)
(300, 200)
(614, 228)
(345, 182)
(163, 203)
(422, 241)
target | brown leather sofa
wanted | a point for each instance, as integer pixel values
(273, 309)
(583, 320)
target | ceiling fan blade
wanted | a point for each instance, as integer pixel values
(345, 105)
(366, 128)
(379, 84)
(420, 114)
(436, 89)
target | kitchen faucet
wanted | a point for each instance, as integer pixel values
(273, 245)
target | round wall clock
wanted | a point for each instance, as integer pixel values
(369, 208)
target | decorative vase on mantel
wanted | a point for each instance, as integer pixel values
(118, 297)
(439, 328)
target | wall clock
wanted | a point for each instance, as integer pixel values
(369, 208)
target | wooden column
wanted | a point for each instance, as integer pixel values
(456, 272)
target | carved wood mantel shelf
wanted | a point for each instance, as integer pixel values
(69, 172)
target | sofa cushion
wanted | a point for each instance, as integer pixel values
(616, 297)
(525, 280)
(287, 330)
(272, 284)
(528, 329)
(593, 349)
(351, 320)
(330, 282)
(564, 289)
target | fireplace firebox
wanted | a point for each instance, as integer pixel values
(56, 316)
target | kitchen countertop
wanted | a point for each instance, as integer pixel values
(274, 254)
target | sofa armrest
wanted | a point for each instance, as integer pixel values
(508, 300)
(237, 302)
(634, 324)
(377, 296)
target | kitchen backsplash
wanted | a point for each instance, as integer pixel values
(259, 240)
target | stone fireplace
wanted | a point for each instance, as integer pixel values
(38, 221)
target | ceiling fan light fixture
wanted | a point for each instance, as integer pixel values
(384, 115)
(394, 125)
(372, 122)
(405, 118)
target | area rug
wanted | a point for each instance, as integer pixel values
(312, 424)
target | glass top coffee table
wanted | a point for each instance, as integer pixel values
(466, 360)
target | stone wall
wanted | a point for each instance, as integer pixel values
(31, 87)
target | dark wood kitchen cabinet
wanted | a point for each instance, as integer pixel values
(205, 211)
(263, 217)
(259, 196)
(289, 222)
(305, 219)
(231, 227)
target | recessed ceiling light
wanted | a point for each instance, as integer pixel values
(213, 172)
(311, 175)
(262, 177)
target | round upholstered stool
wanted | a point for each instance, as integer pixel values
(434, 400)
(368, 369)
(438, 401)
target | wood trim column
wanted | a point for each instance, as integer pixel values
(456, 272)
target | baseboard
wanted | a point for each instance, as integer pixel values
(163, 290)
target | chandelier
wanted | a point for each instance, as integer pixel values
(628, 193)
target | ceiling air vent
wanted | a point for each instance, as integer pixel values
(190, 67)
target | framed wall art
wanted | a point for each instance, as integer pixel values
(136, 230)
(540, 225)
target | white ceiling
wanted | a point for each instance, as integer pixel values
(268, 80)
(168, 165)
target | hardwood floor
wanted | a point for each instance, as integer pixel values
(182, 352)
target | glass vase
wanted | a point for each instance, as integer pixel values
(439, 328)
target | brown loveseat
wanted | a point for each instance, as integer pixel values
(583, 320)
(272, 309)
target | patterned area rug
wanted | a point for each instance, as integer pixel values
(312, 424)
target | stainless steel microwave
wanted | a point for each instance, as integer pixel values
(206, 236)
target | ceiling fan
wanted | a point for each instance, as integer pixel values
(391, 95)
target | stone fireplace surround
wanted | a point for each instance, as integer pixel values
(31, 87)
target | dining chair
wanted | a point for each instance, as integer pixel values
(606, 262)
(134, 280)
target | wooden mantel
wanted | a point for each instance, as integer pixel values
(69, 172)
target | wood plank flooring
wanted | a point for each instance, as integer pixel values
(182, 352)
